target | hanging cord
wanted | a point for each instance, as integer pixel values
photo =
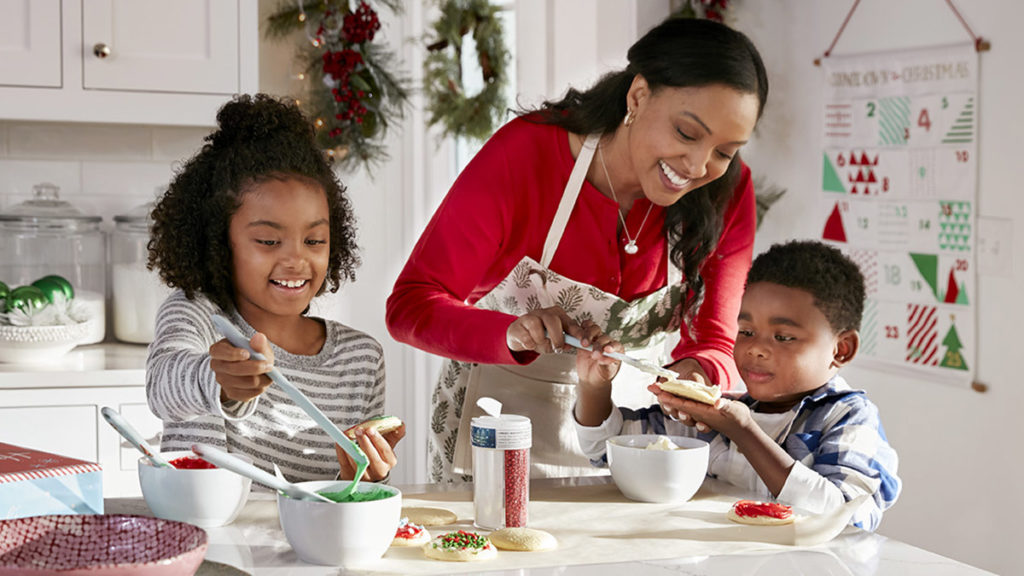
(980, 44)
(817, 61)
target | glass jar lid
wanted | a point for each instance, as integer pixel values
(46, 210)
(137, 219)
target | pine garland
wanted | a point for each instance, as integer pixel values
(352, 95)
(449, 106)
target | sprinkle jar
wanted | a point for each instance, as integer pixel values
(501, 470)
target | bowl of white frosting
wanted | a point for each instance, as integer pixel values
(653, 468)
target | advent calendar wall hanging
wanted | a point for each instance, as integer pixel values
(899, 196)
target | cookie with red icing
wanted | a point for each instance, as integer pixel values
(761, 513)
(409, 534)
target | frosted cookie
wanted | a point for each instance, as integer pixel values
(429, 516)
(523, 539)
(409, 534)
(692, 390)
(460, 546)
(760, 513)
(382, 424)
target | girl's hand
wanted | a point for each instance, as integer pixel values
(379, 450)
(594, 368)
(727, 416)
(541, 330)
(240, 377)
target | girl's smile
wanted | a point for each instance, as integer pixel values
(280, 244)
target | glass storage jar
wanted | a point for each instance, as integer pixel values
(46, 235)
(136, 292)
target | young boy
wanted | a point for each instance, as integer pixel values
(800, 434)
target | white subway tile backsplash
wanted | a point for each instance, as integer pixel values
(134, 179)
(79, 141)
(18, 176)
(177, 143)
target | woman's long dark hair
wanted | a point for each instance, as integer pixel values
(679, 52)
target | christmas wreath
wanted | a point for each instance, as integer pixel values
(352, 95)
(458, 113)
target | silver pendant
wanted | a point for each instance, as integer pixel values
(631, 248)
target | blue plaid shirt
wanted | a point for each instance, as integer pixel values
(835, 436)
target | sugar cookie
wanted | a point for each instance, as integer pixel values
(460, 546)
(429, 516)
(409, 534)
(523, 539)
(692, 390)
(382, 424)
(760, 513)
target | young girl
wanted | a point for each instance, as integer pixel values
(252, 228)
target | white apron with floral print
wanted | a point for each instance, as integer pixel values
(545, 390)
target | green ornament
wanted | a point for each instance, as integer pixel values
(26, 298)
(4, 291)
(52, 285)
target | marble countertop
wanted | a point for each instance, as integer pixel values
(254, 544)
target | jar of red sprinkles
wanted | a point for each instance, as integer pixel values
(501, 470)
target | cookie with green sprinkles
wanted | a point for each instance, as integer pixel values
(460, 546)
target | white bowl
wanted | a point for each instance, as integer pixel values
(342, 533)
(657, 475)
(205, 498)
(39, 344)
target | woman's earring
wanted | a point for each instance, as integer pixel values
(628, 120)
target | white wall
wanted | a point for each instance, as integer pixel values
(958, 448)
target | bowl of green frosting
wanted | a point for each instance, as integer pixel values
(352, 530)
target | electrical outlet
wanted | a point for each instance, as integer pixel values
(995, 247)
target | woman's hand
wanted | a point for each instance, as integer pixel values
(541, 330)
(379, 449)
(240, 377)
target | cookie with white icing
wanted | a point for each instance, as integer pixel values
(761, 513)
(692, 390)
(409, 534)
(460, 546)
(523, 539)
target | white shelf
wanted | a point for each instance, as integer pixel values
(98, 365)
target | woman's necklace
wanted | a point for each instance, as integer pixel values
(630, 247)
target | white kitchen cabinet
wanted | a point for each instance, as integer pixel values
(126, 61)
(56, 408)
(30, 43)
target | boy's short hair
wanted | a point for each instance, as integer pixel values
(834, 280)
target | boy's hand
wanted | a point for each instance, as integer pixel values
(689, 369)
(240, 377)
(379, 449)
(593, 367)
(726, 416)
(595, 370)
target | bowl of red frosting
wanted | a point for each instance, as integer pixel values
(194, 490)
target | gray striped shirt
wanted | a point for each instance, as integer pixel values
(345, 380)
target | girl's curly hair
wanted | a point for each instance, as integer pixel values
(259, 138)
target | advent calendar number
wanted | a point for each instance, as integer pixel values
(923, 120)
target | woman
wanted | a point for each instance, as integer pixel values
(651, 240)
